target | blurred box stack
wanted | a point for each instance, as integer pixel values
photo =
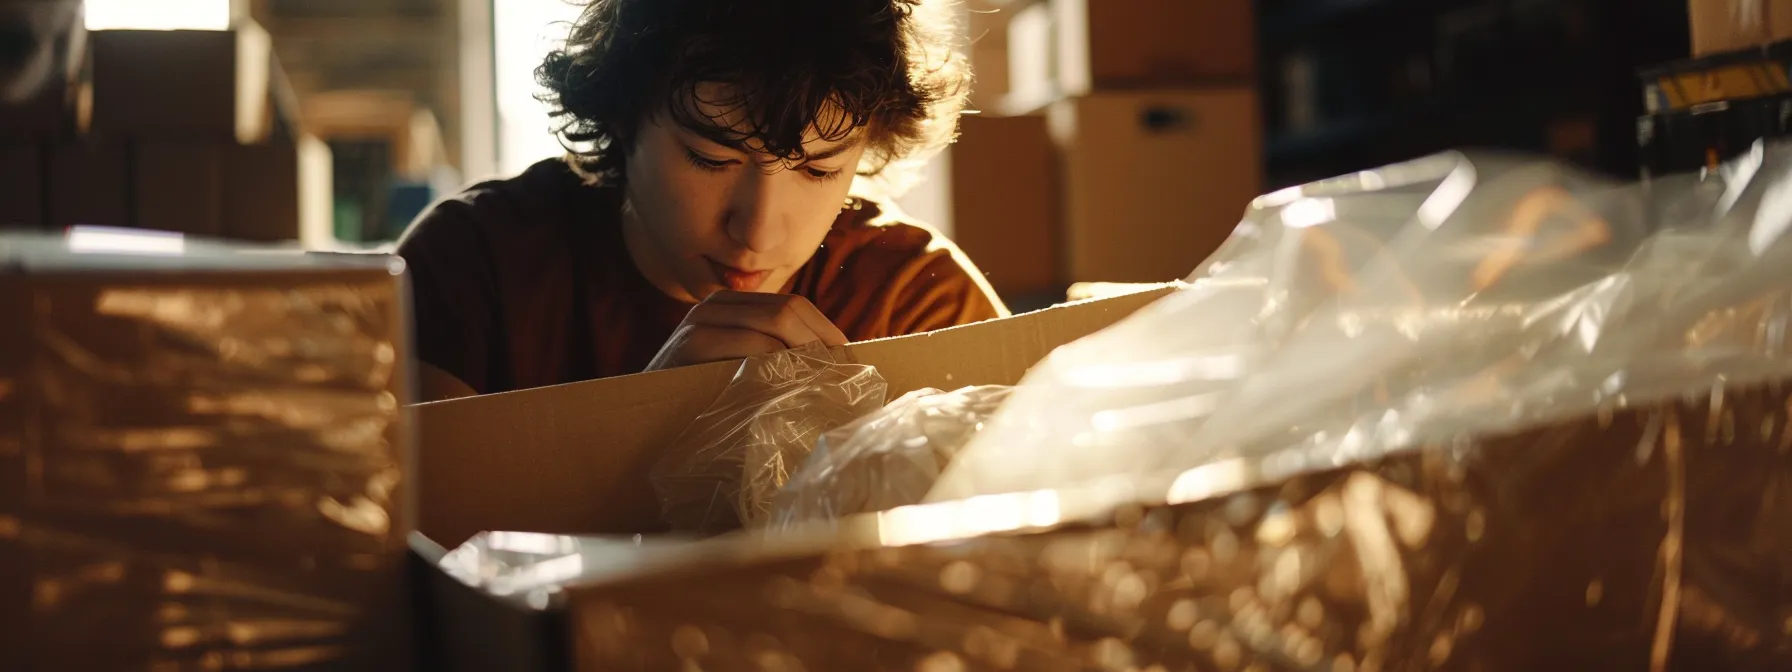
(391, 159)
(204, 459)
(211, 151)
(27, 129)
(1146, 111)
(1734, 90)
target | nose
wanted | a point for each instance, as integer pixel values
(755, 219)
(17, 41)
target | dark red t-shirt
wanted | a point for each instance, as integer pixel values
(526, 282)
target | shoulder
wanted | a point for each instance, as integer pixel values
(871, 228)
(924, 280)
(533, 207)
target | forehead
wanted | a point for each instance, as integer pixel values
(719, 113)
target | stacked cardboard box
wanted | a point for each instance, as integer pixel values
(183, 488)
(26, 129)
(173, 131)
(1115, 141)
(1720, 26)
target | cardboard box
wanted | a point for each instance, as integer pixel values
(182, 83)
(277, 191)
(49, 115)
(574, 458)
(1004, 201)
(88, 183)
(1098, 45)
(178, 186)
(1733, 25)
(263, 193)
(21, 185)
(1154, 181)
(157, 423)
(1549, 538)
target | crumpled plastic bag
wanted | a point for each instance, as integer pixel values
(722, 472)
(1451, 296)
(887, 459)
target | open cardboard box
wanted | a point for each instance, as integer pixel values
(574, 459)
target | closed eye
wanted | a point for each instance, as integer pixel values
(821, 175)
(705, 163)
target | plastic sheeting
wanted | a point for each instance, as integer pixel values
(1649, 538)
(888, 459)
(530, 569)
(1442, 298)
(202, 456)
(723, 471)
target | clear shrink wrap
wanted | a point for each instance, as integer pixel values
(723, 471)
(1443, 298)
(202, 457)
(887, 459)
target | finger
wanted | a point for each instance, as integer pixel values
(770, 319)
(818, 323)
(704, 344)
(823, 327)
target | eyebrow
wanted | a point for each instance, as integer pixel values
(832, 152)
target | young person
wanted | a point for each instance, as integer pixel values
(718, 201)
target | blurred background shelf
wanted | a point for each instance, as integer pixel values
(1353, 84)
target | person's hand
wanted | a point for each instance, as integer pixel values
(736, 325)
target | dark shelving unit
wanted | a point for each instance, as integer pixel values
(1354, 84)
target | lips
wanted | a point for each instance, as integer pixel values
(739, 280)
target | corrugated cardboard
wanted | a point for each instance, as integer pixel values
(1779, 20)
(1549, 537)
(88, 183)
(1154, 181)
(21, 185)
(1732, 25)
(178, 186)
(1126, 44)
(270, 192)
(574, 458)
(182, 83)
(48, 115)
(1004, 201)
(158, 329)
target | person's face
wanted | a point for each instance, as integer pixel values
(705, 217)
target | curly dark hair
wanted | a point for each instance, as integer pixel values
(889, 65)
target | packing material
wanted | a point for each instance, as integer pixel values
(205, 456)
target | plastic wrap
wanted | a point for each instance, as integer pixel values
(888, 459)
(1441, 298)
(202, 457)
(723, 471)
(1649, 538)
(531, 569)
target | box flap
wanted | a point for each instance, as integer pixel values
(573, 459)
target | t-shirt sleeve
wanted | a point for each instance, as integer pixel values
(943, 289)
(454, 293)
